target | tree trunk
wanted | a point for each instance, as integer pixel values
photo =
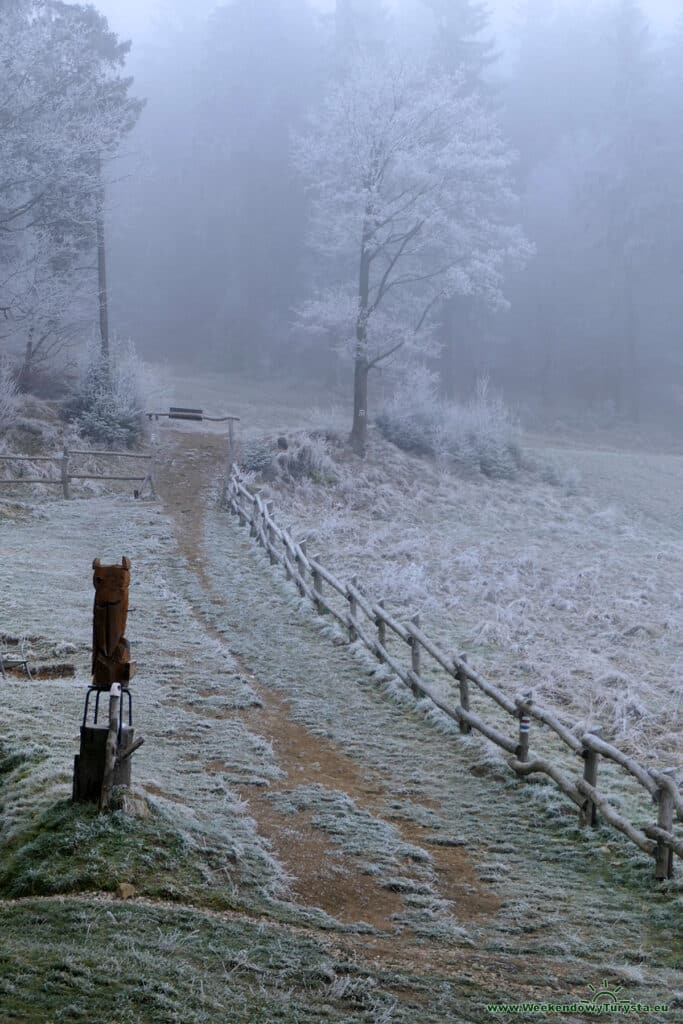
(361, 369)
(102, 272)
(27, 366)
(630, 367)
(359, 431)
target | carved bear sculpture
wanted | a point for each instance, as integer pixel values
(110, 650)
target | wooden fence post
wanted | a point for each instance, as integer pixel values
(415, 655)
(464, 688)
(288, 571)
(318, 587)
(112, 744)
(353, 611)
(300, 566)
(664, 855)
(588, 813)
(238, 507)
(381, 631)
(254, 517)
(524, 729)
(65, 472)
(270, 532)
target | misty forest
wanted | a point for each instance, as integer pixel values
(341, 365)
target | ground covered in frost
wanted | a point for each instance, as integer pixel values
(571, 588)
(306, 844)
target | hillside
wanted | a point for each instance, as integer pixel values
(304, 848)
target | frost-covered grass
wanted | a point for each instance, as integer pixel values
(543, 904)
(570, 900)
(544, 588)
(480, 436)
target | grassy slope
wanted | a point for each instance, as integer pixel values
(237, 945)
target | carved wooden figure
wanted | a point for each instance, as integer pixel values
(110, 650)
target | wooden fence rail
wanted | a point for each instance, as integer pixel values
(66, 475)
(658, 840)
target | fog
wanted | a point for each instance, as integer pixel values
(548, 261)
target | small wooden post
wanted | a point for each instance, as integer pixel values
(112, 745)
(464, 688)
(231, 444)
(270, 532)
(318, 587)
(381, 630)
(300, 566)
(353, 610)
(65, 472)
(588, 813)
(287, 569)
(524, 729)
(664, 855)
(254, 517)
(415, 655)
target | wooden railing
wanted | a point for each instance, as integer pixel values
(63, 460)
(368, 622)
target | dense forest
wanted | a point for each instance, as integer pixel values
(352, 191)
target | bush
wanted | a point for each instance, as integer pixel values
(304, 459)
(480, 436)
(307, 460)
(256, 456)
(110, 398)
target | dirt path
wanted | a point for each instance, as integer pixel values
(189, 467)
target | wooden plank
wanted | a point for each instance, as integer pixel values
(353, 590)
(393, 624)
(118, 455)
(30, 458)
(667, 838)
(615, 819)
(664, 781)
(599, 746)
(541, 765)
(93, 476)
(31, 480)
(328, 577)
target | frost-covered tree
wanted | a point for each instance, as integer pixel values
(411, 205)
(63, 110)
(462, 43)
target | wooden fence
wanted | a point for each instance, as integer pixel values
(369, 622)
(66, 475)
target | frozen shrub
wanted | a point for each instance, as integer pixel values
(110, 398)
(480, 436)
(307, 460)
(8, 394)
(257, 455)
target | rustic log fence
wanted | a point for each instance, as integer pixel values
(66, 475)
(369, 622)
